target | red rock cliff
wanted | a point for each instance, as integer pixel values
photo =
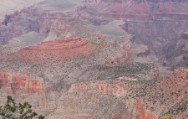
(16, 82)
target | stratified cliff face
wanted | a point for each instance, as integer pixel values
(15, 82)
(126, 99)
(137, 10)
(152, 23)
(97, 59)
(58, 50)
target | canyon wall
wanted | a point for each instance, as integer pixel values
(17, 82)
(103, 59)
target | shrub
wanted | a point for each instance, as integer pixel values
(12, 110)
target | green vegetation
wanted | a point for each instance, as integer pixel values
(136, 70)
(12, 110)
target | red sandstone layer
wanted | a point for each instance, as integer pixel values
(162, 97)
(16, 82)
(58, 50)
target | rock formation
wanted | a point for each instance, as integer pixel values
(18, 82)
(57, 50)
(97, 59)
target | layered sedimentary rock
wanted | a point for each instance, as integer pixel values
(97, 59)
(138, 10)
(57, 50)
(151, 22)
(147, 100)
(16, 82)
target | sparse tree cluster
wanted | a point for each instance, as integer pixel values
(12, 110)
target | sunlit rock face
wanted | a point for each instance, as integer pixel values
(96, 59)
(16, 82)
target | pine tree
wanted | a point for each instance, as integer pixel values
(12, 110)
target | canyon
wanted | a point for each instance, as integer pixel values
(96, 59)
